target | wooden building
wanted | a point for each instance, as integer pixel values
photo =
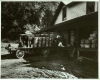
(77, 21)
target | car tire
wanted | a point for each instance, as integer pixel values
(20, 54)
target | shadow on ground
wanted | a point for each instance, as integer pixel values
(7, 56)
(83, 69)
(60, 62)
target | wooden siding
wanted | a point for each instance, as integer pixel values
(59, 18)
(74, 12)
(96, 6)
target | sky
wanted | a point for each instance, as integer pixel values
(66, 2)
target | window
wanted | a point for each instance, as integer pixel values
(64, 14)
(90, 7)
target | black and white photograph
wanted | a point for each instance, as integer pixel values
(49, 39)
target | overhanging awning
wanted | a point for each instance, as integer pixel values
(89, 19)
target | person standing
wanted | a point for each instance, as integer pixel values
(60, 44)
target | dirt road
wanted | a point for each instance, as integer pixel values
(20, 68)
(54, 66)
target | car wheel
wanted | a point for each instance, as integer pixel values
(20, 54)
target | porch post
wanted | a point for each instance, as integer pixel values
(77, 40)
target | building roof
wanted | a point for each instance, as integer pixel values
(63, 3)
(88, 18)
(57, 13)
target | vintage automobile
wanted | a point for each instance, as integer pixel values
(32, 43)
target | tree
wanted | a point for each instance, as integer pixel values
(15, 15)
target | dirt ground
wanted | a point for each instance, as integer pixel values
(53, 66)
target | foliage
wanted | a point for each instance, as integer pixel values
(15, 16)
